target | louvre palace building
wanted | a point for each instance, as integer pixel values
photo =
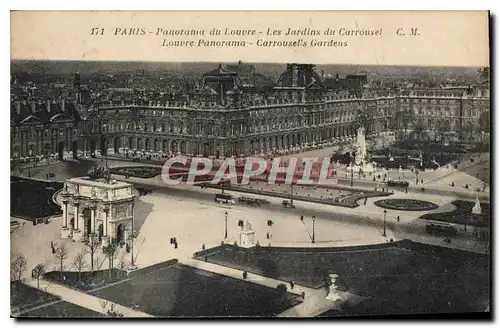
(226, 113)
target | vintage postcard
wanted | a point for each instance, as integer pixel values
(318, 164)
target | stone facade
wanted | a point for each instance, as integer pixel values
(225, 117)
(101, 207)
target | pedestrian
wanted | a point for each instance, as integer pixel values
(171, 240)
(245, 274)
(292, 284)
(303, 295)
(366, 200)
(422, 181)
(203, 247)
(398, 218)
(175, 244)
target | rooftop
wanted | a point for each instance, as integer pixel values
(101, 183)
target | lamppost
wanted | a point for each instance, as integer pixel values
(352, 170)
(314, 236)
(225, 230)
(132, 239)
(385, 215)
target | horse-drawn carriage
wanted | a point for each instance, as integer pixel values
(252, 201)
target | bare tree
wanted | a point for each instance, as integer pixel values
(122, 265)
(19, 265)
(61, 255)
(92, 246)
(79, 262)
(38, 272)
(110, 251)
(100, 261)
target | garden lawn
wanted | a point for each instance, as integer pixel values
(462, 214)
(401, 277)
(32, 199)
(62, 310)
(181, 291)
(24, 297)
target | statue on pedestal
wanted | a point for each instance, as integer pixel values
(477, 207)
(332, 289)
(247, 235)
(247, 226)
(361, 158)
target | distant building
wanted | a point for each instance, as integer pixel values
(352, 84)
(224, 114)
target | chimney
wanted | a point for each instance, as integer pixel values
(295, 75)
(47, 105)
(33, 106)
(63, 105)
(18, 107)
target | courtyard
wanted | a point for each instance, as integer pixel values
(190, 214)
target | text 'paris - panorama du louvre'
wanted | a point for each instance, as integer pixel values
(264, 38)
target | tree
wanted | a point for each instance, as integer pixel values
(364, 119)
(61, 255)
(122, 265)
(484, 124)
(38, 272)
(19, 266)
(79, 263)
(468, 131)
(441, 130)
(240, 224)
(110, 251)
(92, 246)
(402, 120)
(419, 130)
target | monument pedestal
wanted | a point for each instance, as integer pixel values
(77, 235)
(105, 241)
(65, 232)
(247, 238)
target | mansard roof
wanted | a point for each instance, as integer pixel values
(38, 112)
(300, 76)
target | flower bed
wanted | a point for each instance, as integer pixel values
(403, 204)
(86, 280)
(144, 172)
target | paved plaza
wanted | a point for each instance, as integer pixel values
(190, 214)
